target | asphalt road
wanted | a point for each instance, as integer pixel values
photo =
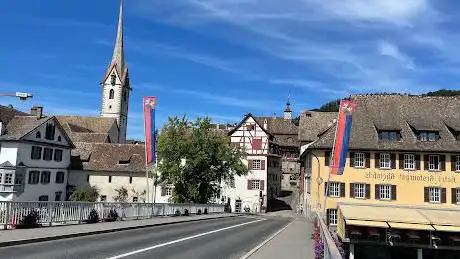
(218, 238)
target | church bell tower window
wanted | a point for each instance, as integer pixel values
(111, 94)
(113, 79)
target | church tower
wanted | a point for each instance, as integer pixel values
(288, 111)
(115, 86)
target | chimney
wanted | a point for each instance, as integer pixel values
(37, 111)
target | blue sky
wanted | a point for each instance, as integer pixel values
(224, 58)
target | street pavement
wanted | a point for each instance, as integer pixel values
(216, 238)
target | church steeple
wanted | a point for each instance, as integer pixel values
(288, 111)
(116, 87)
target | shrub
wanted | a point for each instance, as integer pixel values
(186, 212)
(113, 216)
(205, 211)
(318, 242)
(177, 213)
(30, 221)
(198, 212)
(93, 217)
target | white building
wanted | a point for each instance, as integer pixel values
(253, 191)
(34, 156)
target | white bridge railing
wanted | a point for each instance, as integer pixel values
(66, 213)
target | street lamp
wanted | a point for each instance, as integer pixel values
(22, 96)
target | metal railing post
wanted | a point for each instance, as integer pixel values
(50, 213)
(7, 214)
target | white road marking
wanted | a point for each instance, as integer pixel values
(247, 255)
(181, 240)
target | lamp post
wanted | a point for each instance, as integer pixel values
(22, 96)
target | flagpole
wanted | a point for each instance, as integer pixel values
(331, 160)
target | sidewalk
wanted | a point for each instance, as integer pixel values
(24, 236)
(292, 242)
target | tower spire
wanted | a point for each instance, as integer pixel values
(118, 57)
(288, 111)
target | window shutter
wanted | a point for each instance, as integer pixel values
(393, 161)
(352, 190)
(328, 212)
(163, 191)
(262, 185)
(454, 195)
(453, 159)
(401, 161)
(427, 194)
(377, 160)
(342, 189)
(425, 162)
(327, 157)
(442, 161)
(443, 195)
(368, 160)
(262, 164)
(352, 159)
(250, 164)
(368, 191)
(417, 162)
(249, 184)
(393, 192)
(377, 192)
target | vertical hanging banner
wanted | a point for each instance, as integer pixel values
(342, 136)
(149, 123)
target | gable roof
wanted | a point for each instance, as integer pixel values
(107, 157)
(408, 114)
(20, 126)
(87, 129)
(249, 115)
(314, 123)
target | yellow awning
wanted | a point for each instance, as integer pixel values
(410, 226)
(447, 228)
(366, 223)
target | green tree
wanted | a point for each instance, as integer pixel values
(90, 193)
(208, 155)
(122, 195)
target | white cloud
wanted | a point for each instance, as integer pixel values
(388, 49)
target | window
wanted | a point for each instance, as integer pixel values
(457, 195)
(57, 196)
(435, 194)
(50, 131)
(124, 96)
(113, 79)
(385, 192)
(168, 191)
(87, 178)
(232, 182)
(34, 177)
(359, 160)
(256, 164)
(47, 154)
(359, 190)
(385, 161)
(111, 94)
(8, 178)
(457, 164)
(58, 155)
(45, 177)
(38, 134)
(135, 199)
(428, 136)
(334, 189)
(59, 139)
(130, 179)
(36, 153)
(409, 161)
(43, 198)
(257, 143)
(434, 163)
(332, 217)
(110, 179)
(389, 135)
(255, 184)
(60, 177)
(103, 197)
(18, 178)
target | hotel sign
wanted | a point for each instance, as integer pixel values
(411, 177)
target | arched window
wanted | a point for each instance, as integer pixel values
(113, 79)
(38, 134)
(111, 94)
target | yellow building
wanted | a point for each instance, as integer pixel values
(400, 190)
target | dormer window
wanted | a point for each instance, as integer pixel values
(389, 135)
(428, 135)
(113, 79)
(50, 131)
(38, 134)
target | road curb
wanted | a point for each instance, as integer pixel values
(255, 249)
(66, 236)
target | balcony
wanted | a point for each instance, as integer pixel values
(10, 188)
